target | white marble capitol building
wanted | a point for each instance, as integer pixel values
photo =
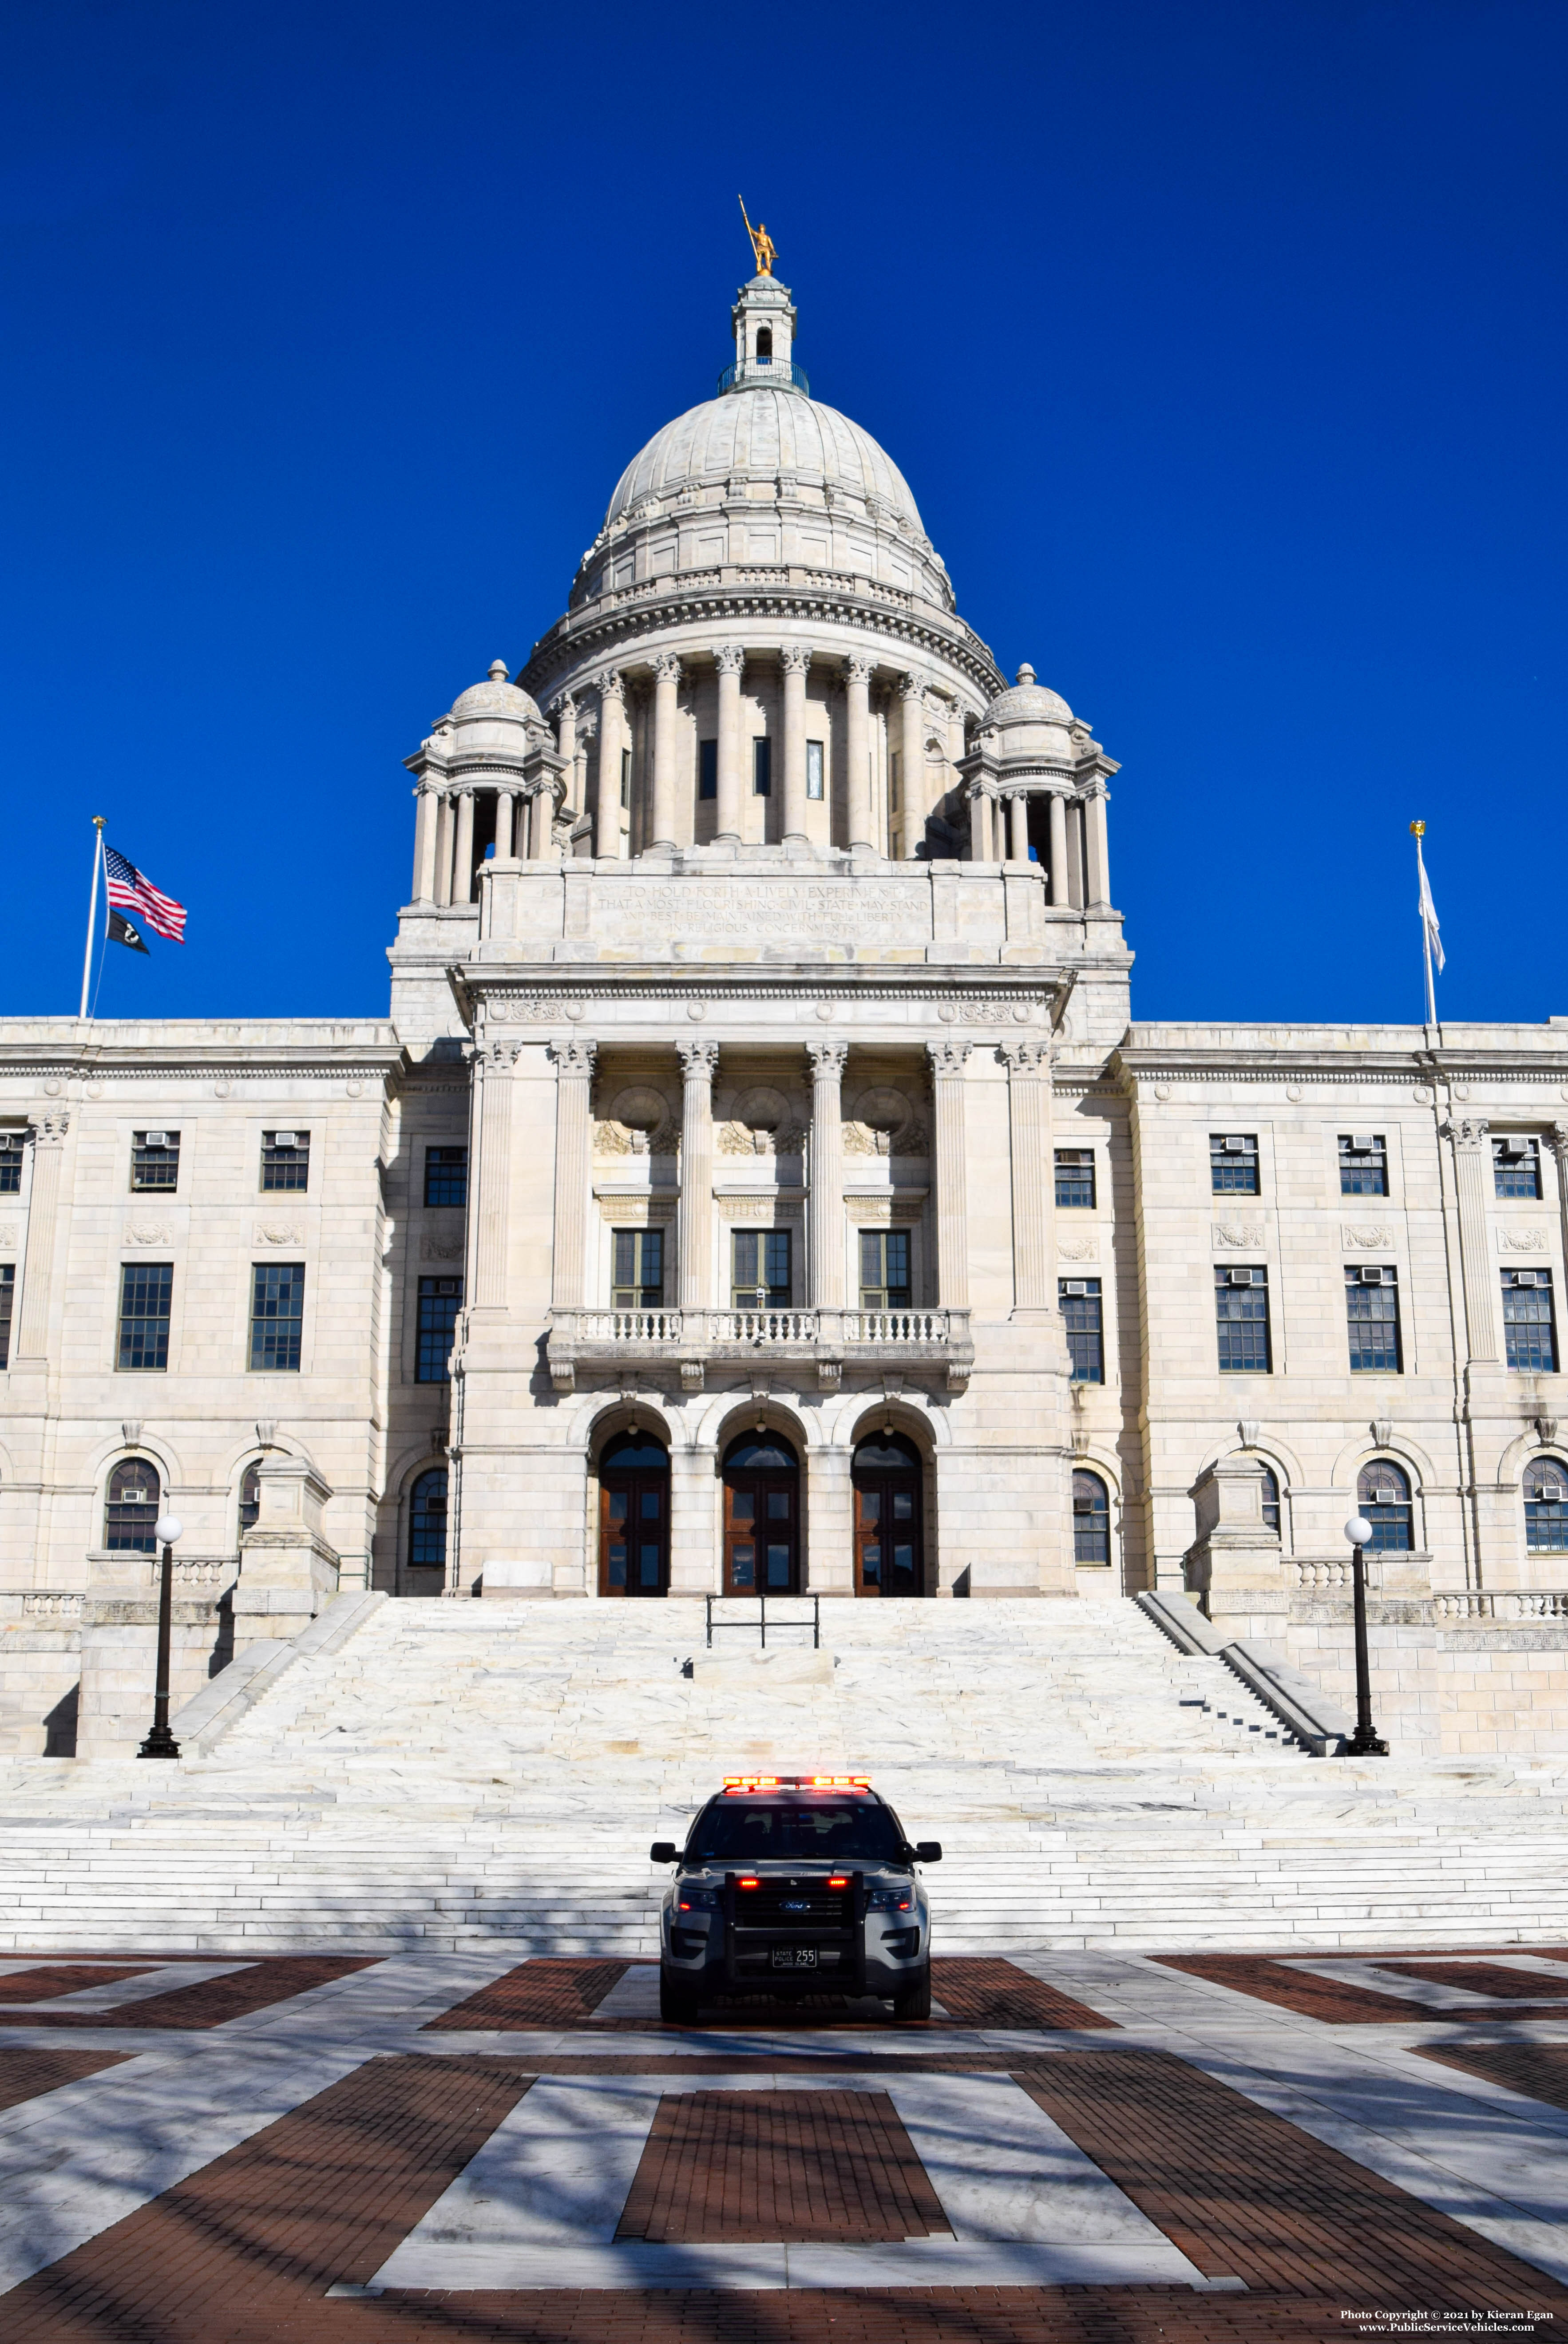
(761, 1182)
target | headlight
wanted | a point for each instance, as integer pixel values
(891, 1900)
(690, 1899)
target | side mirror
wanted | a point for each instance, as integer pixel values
(929, 1851)
(664, 1851)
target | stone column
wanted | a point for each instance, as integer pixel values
(611, 742)
(979, 819)
(1557, 1140)
(462, 864)
(794, 660)
(493, 1066)
(1018, 829)
(573, 1085)
(444, 849)
(1096, 857)
(565, 714)
(667, 710)
(1058, 848)
(947, 1063)
(427, 821)
(1033, 1195)
(857, 753)
(826, 1244)
(694, 1222)
(48, 1154)
(730, 659)
(1472, 1173)
(505, 801)
(912, 764)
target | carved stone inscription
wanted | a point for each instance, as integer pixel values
(863, 909)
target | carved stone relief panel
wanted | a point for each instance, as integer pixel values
(883, 1122)
(639, 1121)
(760, 1122)
(1237, 1237)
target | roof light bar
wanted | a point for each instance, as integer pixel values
(797, 1781)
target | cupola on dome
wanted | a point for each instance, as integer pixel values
(496, 697)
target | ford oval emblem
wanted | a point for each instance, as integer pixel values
(796, 1904)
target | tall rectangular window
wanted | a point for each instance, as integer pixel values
(894, 784)
(1233, 1163)
(277, 1314)
(446, 1176)
(639, 1282)
(7, 1296)
(885, 1269)
(441, 1300)
(1363, 1164)
(10, 1163)
(761, 1279)
(285, 1159)
(762, 768)
(625, 777)
(1242, 1322)
(1080, 1302)
(147, 1300)
(1373, 1317)
(1076, 1178)
(707, 768)
(1516, 1168)
(813, 769)
(1529, 1330)
(155, 1159)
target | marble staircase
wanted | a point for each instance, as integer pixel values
(450, 1773)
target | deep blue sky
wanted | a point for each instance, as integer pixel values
(1222, 345)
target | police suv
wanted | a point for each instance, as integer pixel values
(796, 1885)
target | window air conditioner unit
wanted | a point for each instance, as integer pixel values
(1075, 1286)
(1240, 1277)
(1362, 1143)
(1553, 1492)
(1385, 1496)
(1377, 1277)
(285, 1139)
(1083, 1505)
(155, 1139)
(1525, 1277)
(1235, 1148)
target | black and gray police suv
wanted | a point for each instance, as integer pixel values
(796, 1885)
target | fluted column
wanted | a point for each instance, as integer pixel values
(947, 1086)
(565, 714)
(794, 659)
(857, 753)
(1557, 1140)
(730, 659)
(1471, 1176)
(493, 1066)
(607, 841)
(694, 1210)
(666, 709)
(1059, 894)
(1034, 1194)
(573, 1088)
(462, 866)
(505, 802)
(826, 1202)
(1018, 829)
(912, 764)
(1096, 862)
(444, 826)
(48, 1154)
(427, 823)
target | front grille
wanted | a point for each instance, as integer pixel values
(815, 1908)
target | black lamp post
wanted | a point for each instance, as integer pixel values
(160, 1743)
(1365, 1741)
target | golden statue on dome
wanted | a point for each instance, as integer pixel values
(762, 242)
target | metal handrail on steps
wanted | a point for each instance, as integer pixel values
(761, 1622)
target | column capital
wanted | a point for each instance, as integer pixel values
(1557, 1141)
(613, 686)
(698, 1060)
(1468, 1132)
(857, 668)
(501, 1056)
(947, 1057)
(563, 704)
(911, 687)
(730, 658)
(794, 659)
(575, 1056)
(1024, 1057)
(667, 666)
(49, 1129)
(826, 1059)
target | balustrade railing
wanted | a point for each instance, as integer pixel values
(1504, 1603)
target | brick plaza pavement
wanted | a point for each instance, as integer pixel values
(1085, 2147)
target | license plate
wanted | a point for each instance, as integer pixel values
(794, 1957)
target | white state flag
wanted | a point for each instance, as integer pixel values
(1429, 915)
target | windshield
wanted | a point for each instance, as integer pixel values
(828, 1831)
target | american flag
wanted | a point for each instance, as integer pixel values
(134, 893)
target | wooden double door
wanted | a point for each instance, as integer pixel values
(889, 1545)
(634, 1517)
(762, 1516)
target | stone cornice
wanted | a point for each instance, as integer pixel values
(1135, 1067)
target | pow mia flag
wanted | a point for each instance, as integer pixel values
(120, 931)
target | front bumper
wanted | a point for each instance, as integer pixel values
(867, 1952)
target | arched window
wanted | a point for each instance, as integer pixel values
(1546, 1506)
(1271, 1500)
(1383, 1495)
(764, 346)
(250, 1494)
(428, 1521)
(131, 1508)
(1091, 1519)
(762, 1516)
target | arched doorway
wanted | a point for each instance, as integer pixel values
(762, 1516)
(634, 1516)
(889, 1545)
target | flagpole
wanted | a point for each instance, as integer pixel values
(1417, 832)
(98, 820)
